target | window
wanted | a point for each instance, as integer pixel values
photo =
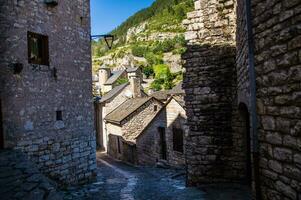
(155, 108)
(38, 52)
(59, 115)
(177, 139)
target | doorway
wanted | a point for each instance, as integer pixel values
(163, 150)
(1, 128)
(252, 166)
(245, 120)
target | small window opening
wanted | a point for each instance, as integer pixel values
(38, 50)
(178, 139)
(59, 115)
(155, 108)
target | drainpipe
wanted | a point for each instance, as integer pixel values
(252, 76)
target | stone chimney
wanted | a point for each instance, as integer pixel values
(136, 87)
(104, 74)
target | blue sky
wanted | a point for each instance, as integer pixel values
(108, 14)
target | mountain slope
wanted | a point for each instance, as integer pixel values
(151, 37)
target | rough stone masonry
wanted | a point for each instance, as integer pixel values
(47, 108)
(218, 96)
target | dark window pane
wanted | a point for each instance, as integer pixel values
(38, 52)
(59, 115)
(178, 139)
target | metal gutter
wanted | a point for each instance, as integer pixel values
(252, 76)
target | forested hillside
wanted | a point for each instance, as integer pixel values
(151, 39)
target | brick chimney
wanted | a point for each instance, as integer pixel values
(136, 87)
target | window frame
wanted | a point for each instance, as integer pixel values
(44, 48)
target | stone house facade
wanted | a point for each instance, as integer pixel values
(162, 141)
(126, 123)
(242, 86)
(45, 59)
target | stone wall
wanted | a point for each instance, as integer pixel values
(107, 107)
(175, 117)
(64, 149)
(147, 142)
(212, 21)
(214, 149)
(138, 120)
(242, 65)
(277, 30)
(276, 26)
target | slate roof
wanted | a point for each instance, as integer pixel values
(113, 92)
(132, 69)
(161, 95)
(125, 109)
(180, 100)
(116, 75)
(178, 89)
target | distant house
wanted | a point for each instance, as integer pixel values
(108, 79)
(111, 101)
(161, 95)
(165, 95)
(145, 131)
(163, 139)
(126, 123)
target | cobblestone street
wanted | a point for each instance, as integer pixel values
(118, 181)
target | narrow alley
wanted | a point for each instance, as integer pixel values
(119, 181)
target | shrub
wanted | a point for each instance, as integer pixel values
(139, 51)
(153, 59)
(121, 81)
(162, 71)
(148, 71)
(157, 84)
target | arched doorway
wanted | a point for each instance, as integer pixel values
(1, 128)
(245, 125)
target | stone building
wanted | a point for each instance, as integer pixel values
(108, 79)
(145, 131)
(162, 140)
(110, 101)
(125, 124)
(242, 86)
(45, 86)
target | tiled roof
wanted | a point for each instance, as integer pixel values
(116, 75)
(113, 92)
(125, 109)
